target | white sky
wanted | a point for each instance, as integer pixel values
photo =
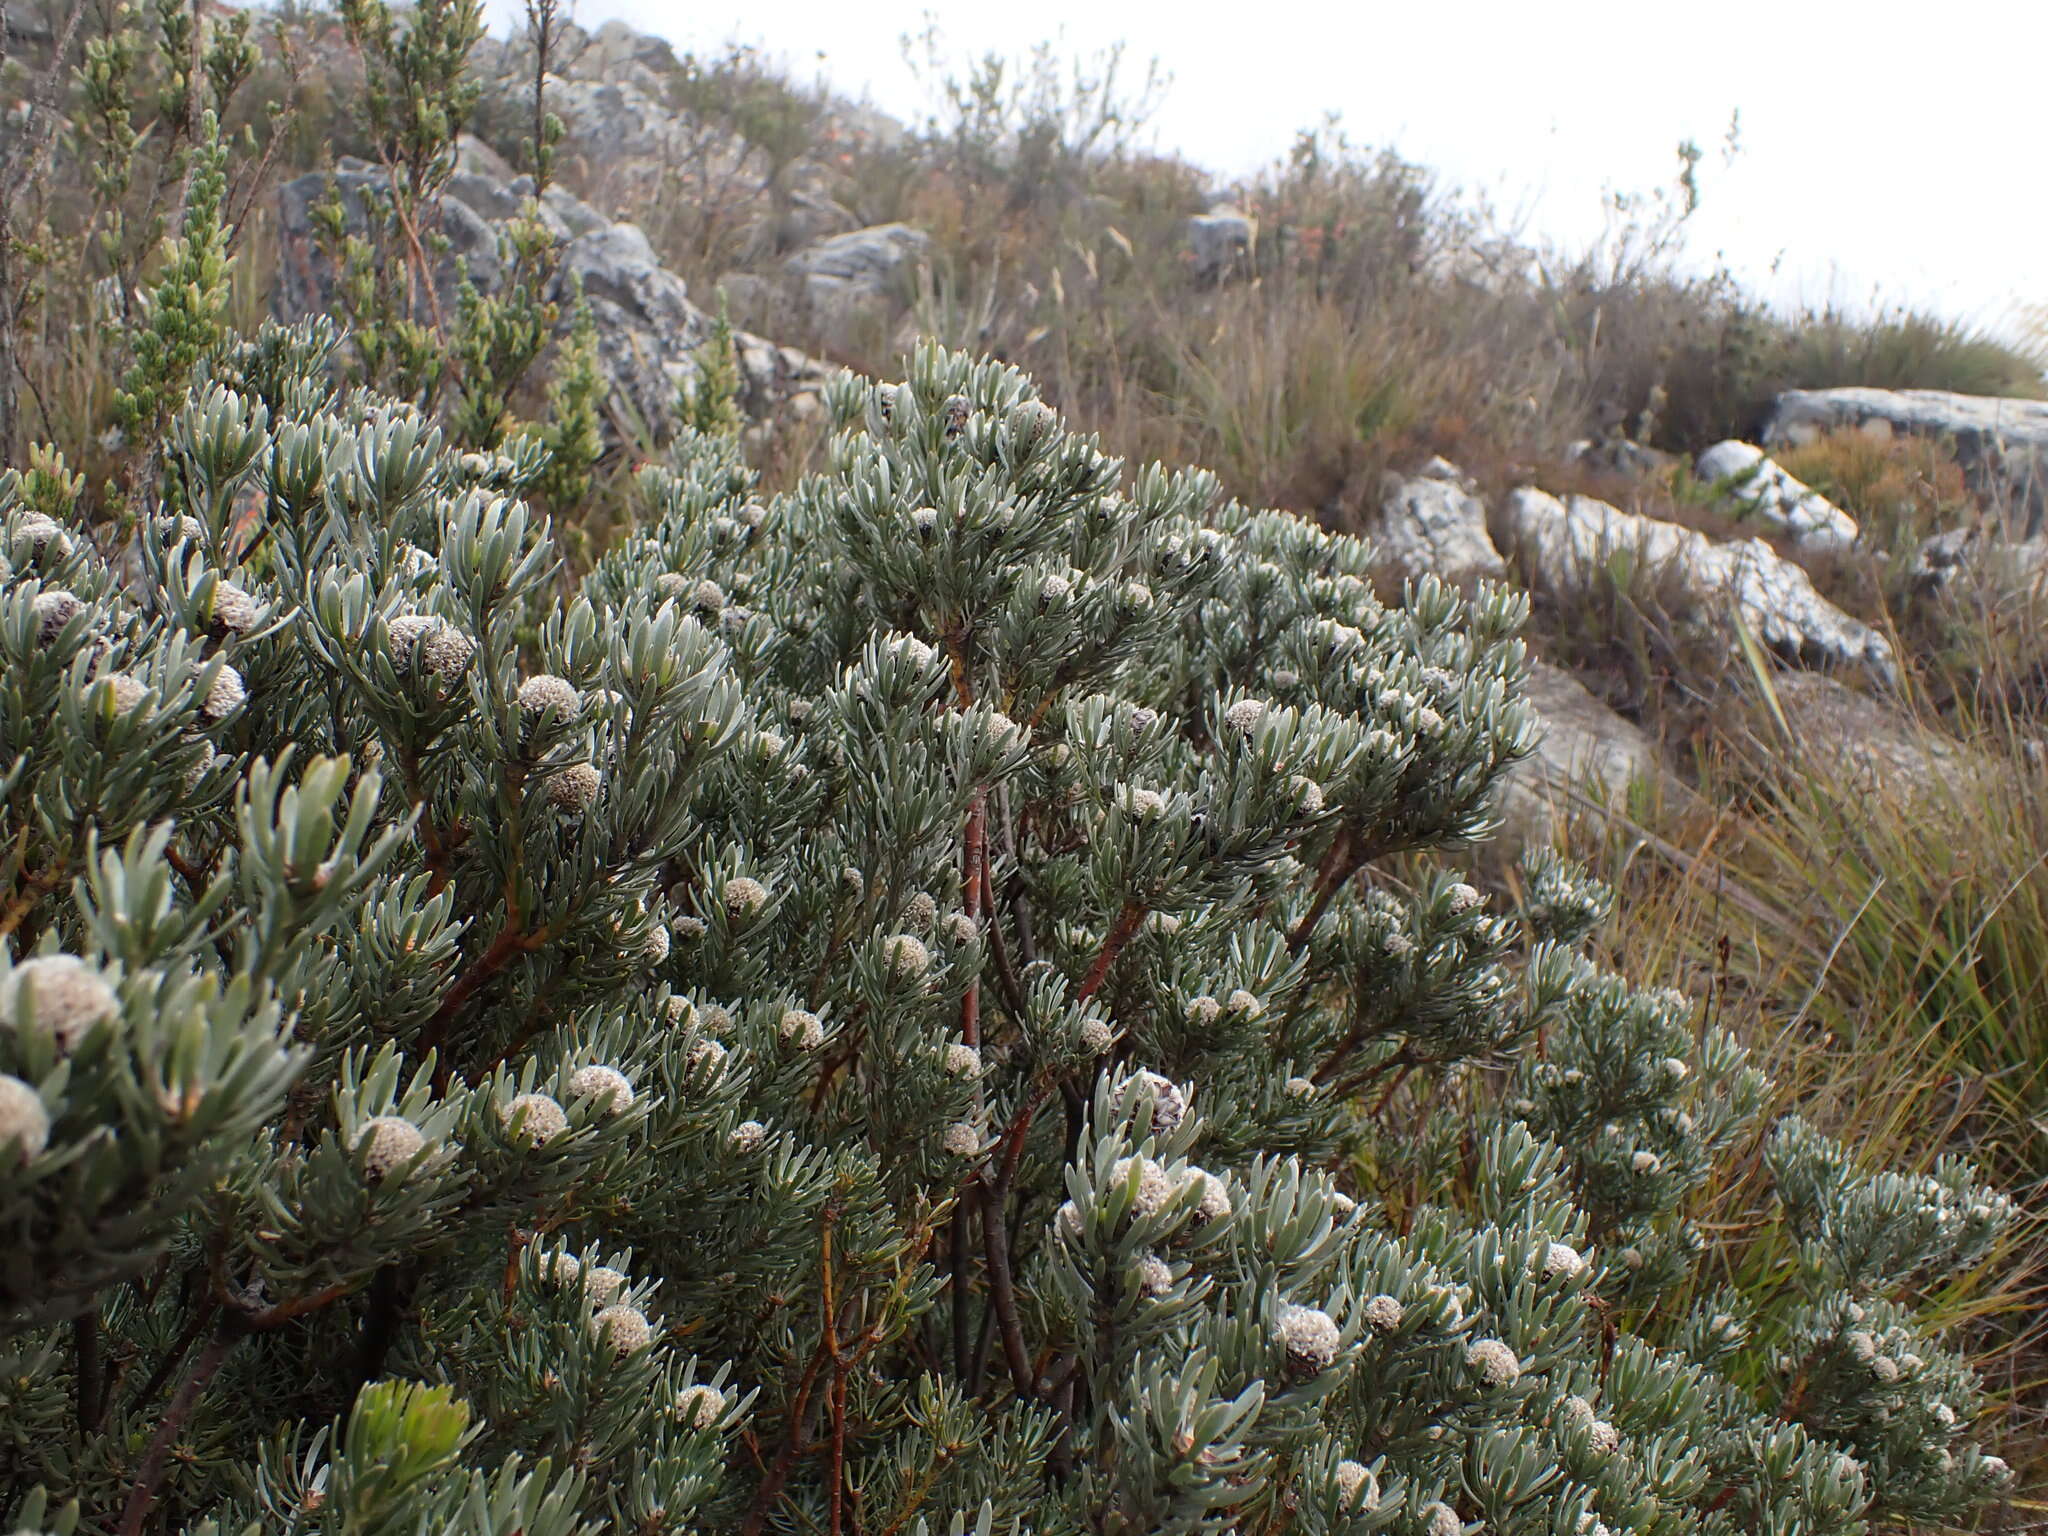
(1889, 151)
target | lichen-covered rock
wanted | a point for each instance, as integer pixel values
(1566, 546)
(1432, 521)
(2001, 445)
(1758, 487)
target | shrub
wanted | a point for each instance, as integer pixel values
(878, 1012)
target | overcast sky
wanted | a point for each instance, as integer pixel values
(1888, 152)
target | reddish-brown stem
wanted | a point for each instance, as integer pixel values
(1002, 1291)
(151, 1472)
(1338, 866)
(1119, 935)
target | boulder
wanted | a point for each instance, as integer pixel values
(648, 330)
(1973, 555)
(856, 283)
(1567, 546)
(1756, 486)
(1868, 745)
(2001, 445)
(1586, 756)
(1223, 243)
(1432, 521)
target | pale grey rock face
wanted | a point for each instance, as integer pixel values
(1586, 756)
(648, 330)
(1223, 242)
(1432, 522)
(858, 282)
(1567, 545)
(2001, 445)
(1869, 745)
(1619, 456)
(1758, 487)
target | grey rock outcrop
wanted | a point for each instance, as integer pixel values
(855, 284)
(2001, 445)
(1587, 756)
(1432, 521)
(1620, 456)
(648, 330)
(1868, 745)
(1223, 243)
(1567, 546)
(1757, 486)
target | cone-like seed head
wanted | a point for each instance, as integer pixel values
(388, 1142)
(744, 896)
(535, 1119)
(800, 1027)
(624, 1329)
(225, 695)
(66, 995)
(1493, 1362)
(53, 610)
(700, 1406)
(24, 1122)
(905, 956)
(42, 534)
(545, 692)
(575, 788)
(608, 1085)
(1169, 1104)
(920, 912)
(1094, 1035)
(748, 1135)
(1311, 1338)
(234, 611)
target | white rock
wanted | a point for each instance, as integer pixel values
(1431, 522)
(1567, 547)
(1758, 486)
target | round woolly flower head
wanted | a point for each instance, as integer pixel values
(920, 912)
(574, 790)
(1603, 1437)
(1562, 1259)
(961, 928)
(707, 1056)
(925, 519)
(386, 1143)
(544, 692)
(801, 1029)
(707, 596)
(1145, 804)
(602, 1284)
(1244, 716)
(53, 609)
(1462, 897)
(1066, 1221)
(1309, 795)
(1212, 1203)
(234, 612)
(66, 995)
(744, 896)
(1154, 1188)
(1311, 1338)
(534, 1118)
(226, 694)
(1054, 587)
(962, 1139)
(561, 1268)
(1646, 1163)
(429, 643)
(700, 1406)
(1135, 594)
(42, 534)
(962, 1061)
(1204, 1011)
(905, 956)
(1245, 1003)
(1493, 1362)
(747, 1136)
(118, 691)
(608, 1085)
(1299, 1088)
(1382, 1314)
(1154, 1275)
(623, 1329)
(1169, 1104)
(1355, 1484)
(1439, 1519)
(1094, 1035)
(24, 1122)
